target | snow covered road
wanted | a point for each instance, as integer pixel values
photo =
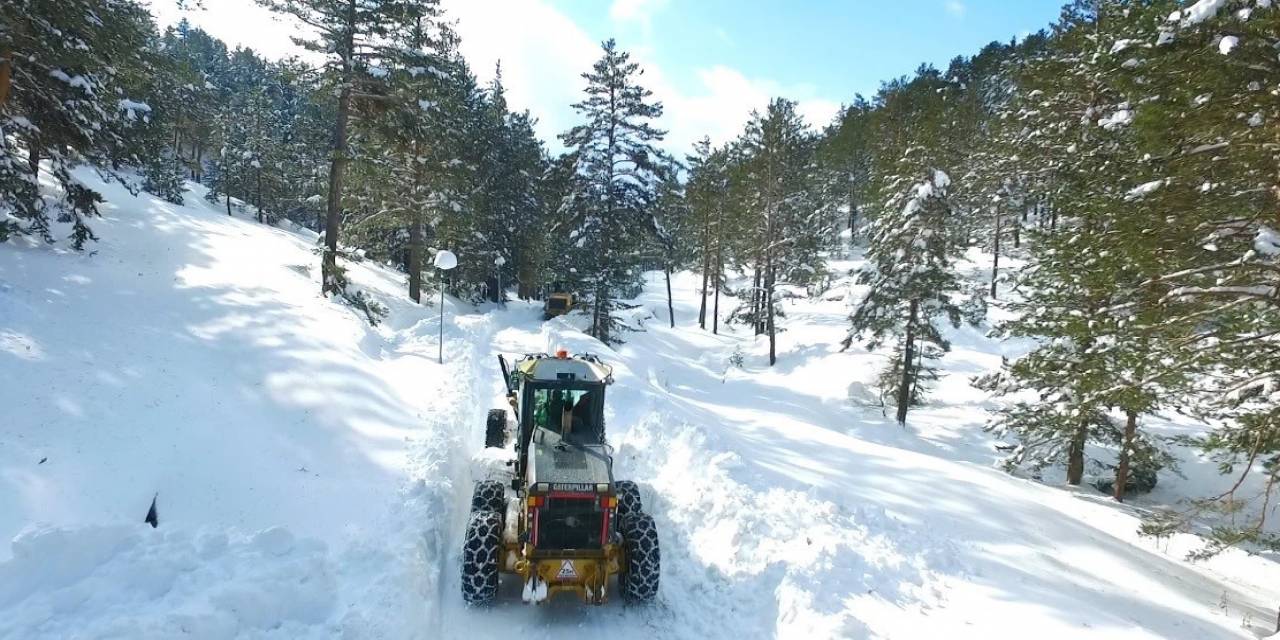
(314, 472)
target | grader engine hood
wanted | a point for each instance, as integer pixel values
(572, 486)
(572, 466)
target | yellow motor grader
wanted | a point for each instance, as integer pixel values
(561, 523)
(557, 304)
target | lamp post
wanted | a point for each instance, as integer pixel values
(445, 260)
(498, 262)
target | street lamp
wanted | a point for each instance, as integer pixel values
(445, 260)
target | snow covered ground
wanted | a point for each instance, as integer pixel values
(313, 471)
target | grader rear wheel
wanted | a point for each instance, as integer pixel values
(628, 498)
(480, 553)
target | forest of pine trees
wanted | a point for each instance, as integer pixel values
(1127, 156)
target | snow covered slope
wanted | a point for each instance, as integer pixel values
(313, 471)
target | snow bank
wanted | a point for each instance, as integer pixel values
(122, 581)
(306, 483)
(790, 561)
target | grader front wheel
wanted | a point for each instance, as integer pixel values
(638, 580)
(495, 429)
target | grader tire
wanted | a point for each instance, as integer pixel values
(480, 552)
(489, 495)
(638, 581)
(495, 429)
(628, 498)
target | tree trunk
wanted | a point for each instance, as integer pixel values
(329, 279)
(853, 218)
(262, 219)
(706, 275)
(33, 159)
(768, 310)
(915, 382)
(197, 172)
(908, 355)
(671, 309)
(757, 300)
(1075, 455)
(226, 183)
(600, 322)
(6, 74)
(415, 259)
(525, 290)
(719, 276)
(1126, 454)
(333, 212)
(995, 262)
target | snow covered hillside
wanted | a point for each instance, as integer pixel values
(313, 472)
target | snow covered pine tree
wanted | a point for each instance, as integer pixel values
(613, 183)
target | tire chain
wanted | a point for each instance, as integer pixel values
(480, 557)
(628, 498)
(489, 495)
(639, 583)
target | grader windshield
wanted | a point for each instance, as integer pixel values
(573, 411)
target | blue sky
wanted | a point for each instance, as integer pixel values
(839, 47)
(710, 61)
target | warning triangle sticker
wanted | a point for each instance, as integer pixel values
(566, 570)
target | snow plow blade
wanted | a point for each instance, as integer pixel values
(546, 576)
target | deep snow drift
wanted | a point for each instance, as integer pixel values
(313, 471)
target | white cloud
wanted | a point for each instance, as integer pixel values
(722, 103)
(239, 23)
(543, 54)
(955, 8)
(635, 10)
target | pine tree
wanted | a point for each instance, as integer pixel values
(847, 156)
(707, 198)
(911, 279)
(507, 207)
(1079, 291)
(913, 242)
(63, 102)
(352, 35)
(615, 164)
(672, 224)
(198, 63)
(782, 196)
(1207, 123)
(408, 173)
